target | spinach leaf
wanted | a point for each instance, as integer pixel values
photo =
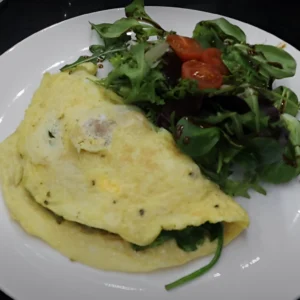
(163, 237)
(190, 238)
(195, 140)
(203, 270)
(187, 239)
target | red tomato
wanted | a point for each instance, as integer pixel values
(213, 56)
(208, 76)
(186, 48)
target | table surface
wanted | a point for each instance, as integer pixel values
(19, 19)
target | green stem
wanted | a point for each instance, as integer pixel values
(203, 270)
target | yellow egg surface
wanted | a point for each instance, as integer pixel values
(93, 160)
(92, 247)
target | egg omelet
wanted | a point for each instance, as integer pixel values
(114, 178)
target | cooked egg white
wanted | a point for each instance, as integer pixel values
(92, 247)
(81, 154)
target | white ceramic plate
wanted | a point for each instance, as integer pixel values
(261, 264)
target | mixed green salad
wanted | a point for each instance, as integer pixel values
(214, 92)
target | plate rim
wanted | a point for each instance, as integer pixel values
(147, 6)
(183, 10)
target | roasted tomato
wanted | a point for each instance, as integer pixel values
(186, 48)
(213, 56)
(207, 76)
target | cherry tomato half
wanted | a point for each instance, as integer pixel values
(213, 56)
(208, 76)
(186, 48)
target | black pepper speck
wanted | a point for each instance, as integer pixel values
(59, 220)
(48, 194)
(186, 140)
(141, 212)
(46, 202)
(217, 206)
(51, 136)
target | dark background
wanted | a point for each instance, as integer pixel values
(21, 18)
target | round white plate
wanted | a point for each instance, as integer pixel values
(263, 263)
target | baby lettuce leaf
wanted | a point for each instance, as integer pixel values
(207, 37)
(137, 11)
(195, 140)
(243, 70)
(214, 33)
(267, 150)
(79, 61)
(270, 61)
(96, 48)
(283, 99)
(110, 43)
(283, 164)
(100, 52)
(218, 117)
(182, 89)
(250, 96)
(227, 30)
(293, 127)
(277, 62)
(116, 29)
(240, 188)
(278, 172)
(133, 78)
(116, 33)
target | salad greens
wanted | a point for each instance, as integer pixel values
(240, 135)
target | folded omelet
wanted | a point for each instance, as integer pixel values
(82, 156)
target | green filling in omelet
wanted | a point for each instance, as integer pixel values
(187, 239)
